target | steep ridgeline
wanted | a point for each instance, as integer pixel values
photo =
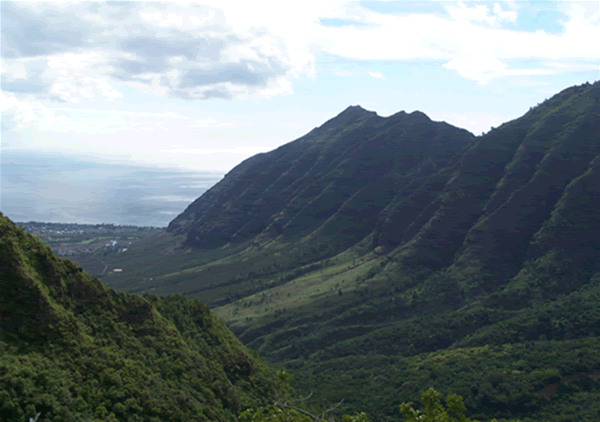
(330, 184)
(75, 350)
(525, 189)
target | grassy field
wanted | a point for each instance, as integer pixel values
(335, 277)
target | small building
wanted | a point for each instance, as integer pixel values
(111, 246)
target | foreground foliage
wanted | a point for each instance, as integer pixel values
(433, 411)
(76, 351)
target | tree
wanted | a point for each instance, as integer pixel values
(434, 411)
(287, 410)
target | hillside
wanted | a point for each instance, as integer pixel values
(339, 176)
(378, 257)
(76, 350)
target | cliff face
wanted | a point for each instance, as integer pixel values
(332, 182)
(75, 350)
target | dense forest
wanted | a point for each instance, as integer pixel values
(75, 350)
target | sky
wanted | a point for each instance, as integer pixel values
(202, 86)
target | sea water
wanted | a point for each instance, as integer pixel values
(66, 190)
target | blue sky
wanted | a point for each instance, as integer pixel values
(205, 85)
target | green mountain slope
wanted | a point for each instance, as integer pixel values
(76, 350)
(339, 176)
(380, 257)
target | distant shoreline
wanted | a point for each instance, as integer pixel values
(86, 225)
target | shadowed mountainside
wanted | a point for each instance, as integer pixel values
(332, 182)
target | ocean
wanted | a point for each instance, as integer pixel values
(65, 190)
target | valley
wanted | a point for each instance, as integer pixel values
(377, 257)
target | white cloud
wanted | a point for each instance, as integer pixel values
(342, 73)
(509, 15)
(480, 69)
(471, 39)
(239, 50)
(376, 75)
(127, 113)
(26, 113)
(73, 77)
(483, 69)
(482, 13)
(462, 13)
(187, 51)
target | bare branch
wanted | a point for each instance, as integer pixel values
(332, 408)
(305, 398)
(287, 405)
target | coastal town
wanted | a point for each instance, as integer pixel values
(69, 239)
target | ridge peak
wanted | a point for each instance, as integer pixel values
(355, 110)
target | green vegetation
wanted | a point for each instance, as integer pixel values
(377, 258)
(433, 411)
(75, 350)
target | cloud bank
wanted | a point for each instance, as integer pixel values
(236, 50)
(74, 51)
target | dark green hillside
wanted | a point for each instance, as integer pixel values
(378, 257)
(331, 184)
(76, 350)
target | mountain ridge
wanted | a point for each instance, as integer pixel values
(319, 156)
(382, 256)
